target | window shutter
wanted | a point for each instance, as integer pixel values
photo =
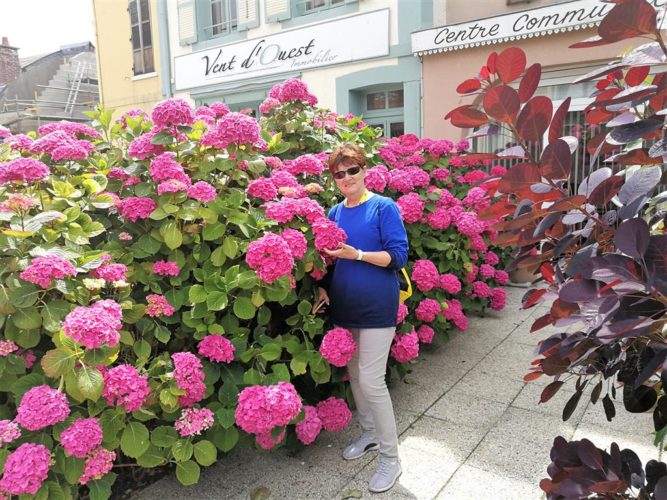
(277, 10)
(187, 22)
(248, 12)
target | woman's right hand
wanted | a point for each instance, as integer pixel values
(322, 299)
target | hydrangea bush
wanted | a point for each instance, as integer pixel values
(158, 275)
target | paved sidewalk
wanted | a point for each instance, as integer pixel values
(470, 428)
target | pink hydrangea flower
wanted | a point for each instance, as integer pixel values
(4, 132)
(7, 347)
(28, 356)
(270, 256)
(164, 167)
(481, 289)
(427, 310)
(261, 408)
(425, 334)
(268, 105)
(296, 242)
(18, 202)
(468, 225)
(454, 313)
(294, 90)
(486, 271)
(233, 128)
(62, 146)
(125, 386)
(440, 174)
(194, 421)
(491, 258)
(9, 431)
(95, 325)
(309, 428)
(266, 441)
(171, 113)
(124, 236)
(402, 313)
(377, 178)
(498, 298)
(328, 235)
(23, 170)
(274, 163)
(202, 192)
(440, 218)
(19, 141)
(134, 208)
(43, 270)
(450, 283)
(498, 171)
(501, 277)
(141, 148)
(98, 464)
(405, 347)
(40, 407)
(82, 437)
(26, 469)
(334, 414)
(189, 376)
(262, 188)
(110, 272)
(425, 275)
(166, 268)
(411, 207)
(307, 164)
(172, 186)
(158, 306)
(217, 348)
(74, 129)
(338, 346)
(132, 113)
(220, 109)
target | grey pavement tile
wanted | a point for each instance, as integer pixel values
(623, 423)
(421, 388)
(529, 399)
(487, 384)
(642, 444)
(471, 483)
(464, 407)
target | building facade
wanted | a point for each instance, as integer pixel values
(544, 29)
(128, 55)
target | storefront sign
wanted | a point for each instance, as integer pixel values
(350, 39)
(567, 16)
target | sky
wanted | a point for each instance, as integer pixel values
(43, 26)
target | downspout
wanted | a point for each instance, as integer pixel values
(98, 56)
(165, 54)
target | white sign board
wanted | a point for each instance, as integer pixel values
(353, 38)
(566, 16)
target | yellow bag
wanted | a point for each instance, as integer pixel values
(404, 285)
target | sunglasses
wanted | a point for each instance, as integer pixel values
(350, 171)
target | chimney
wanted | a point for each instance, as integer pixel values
(10, 67)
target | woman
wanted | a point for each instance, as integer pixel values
(362, 291)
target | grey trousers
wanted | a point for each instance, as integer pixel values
(367, 379)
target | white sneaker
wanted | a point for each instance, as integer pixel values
(365, 443)
(388, 472)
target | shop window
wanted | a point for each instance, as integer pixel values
(224, 18)
(310, 6)
(383, 109)
(141, 38)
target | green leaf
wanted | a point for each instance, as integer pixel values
(104, 355)
(27, 318)
(197, 294)
(218, 257)
(135, 440)
(162, 138)
(182, 450)
(152, 457)
(90, 382)
(244, 308)
(100, 489)
(164, 436)
(225, 417)
(217, 301)
(171, 234)
(205, 453)
(35, 223)
(25, 383)
(187, 473)
(73, 468)
(53, 314)
(56, 362)
(230, 247)
(299, 363)
(271, 352)
(281, 372)
(304, 308)
(133, 315)
(213, 231)
(142, 349)
(225, 439)
(228, 394)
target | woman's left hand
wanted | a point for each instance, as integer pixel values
(344, 252)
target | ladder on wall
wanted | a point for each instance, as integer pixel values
(79, 72)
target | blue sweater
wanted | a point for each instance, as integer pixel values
(364, 295)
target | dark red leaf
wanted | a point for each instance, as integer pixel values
(532, 376)
(529, 82)
(592, 75)
(547, 271)
(571, 405)
(491, 61)
(593, 41)
(590, 455)
(632, 237)
(473, 157)
(627, 20)
(497, 210)
(468, 86)
(637, 157)
(541, 322)
(532, 297)
(550, 390)
(606, 190)
(519, 176)
(568, 203)
(603, 487)
(556, 160)
(510, 63)
(467, 117)
(502, 103)
(534, 119)
(579, 291)
(628, 95)
(561, 309)
(556, 128)
(636, 75)
(598, 115)
(629, 132)
(484, 73)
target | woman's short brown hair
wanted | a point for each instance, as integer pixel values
(346, 153)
